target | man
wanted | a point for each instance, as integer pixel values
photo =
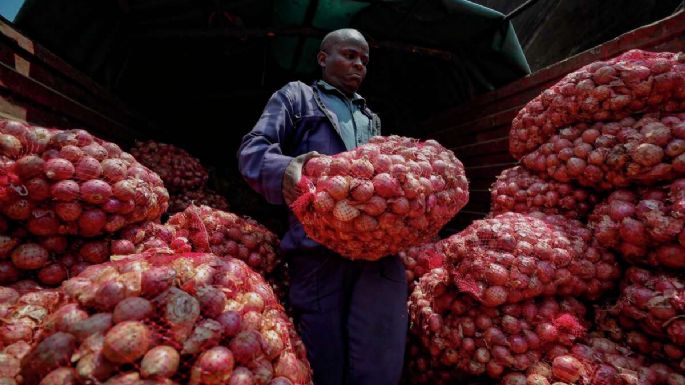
(351, 315)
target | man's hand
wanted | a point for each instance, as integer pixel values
(292, 176)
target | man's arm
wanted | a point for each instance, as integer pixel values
(260, 157)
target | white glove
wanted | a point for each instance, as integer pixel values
(292, 176)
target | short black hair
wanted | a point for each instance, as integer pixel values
(334, 37)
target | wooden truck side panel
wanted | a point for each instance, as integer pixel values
(38, 86)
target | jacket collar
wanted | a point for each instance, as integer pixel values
(326, 87)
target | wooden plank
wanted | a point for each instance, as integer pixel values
(479, 160)
(514, 103)
(487, 172)
(17, 108)
(48, 77)
(29, 67)
(30, 89)
(22, 44)
(492, 146)
(468, 129)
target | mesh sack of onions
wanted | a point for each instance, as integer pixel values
(420, 260)
(52, 259)
(626, 330)
(421, 368)
(513, 257)
(645, 226)
(656, 302)
(382, 197)
(227, 234)
(476, 339)
(178, 169)
(634, 82)
(24, 306)
(171, 319)
(69, 182)
(608, 155)
(595, 361)
(205, 197)
(150, 236)
(521, 191)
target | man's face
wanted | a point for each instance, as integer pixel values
(344, 64)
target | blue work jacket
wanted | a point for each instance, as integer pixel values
(294, 122)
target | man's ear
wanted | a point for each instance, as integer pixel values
(321, 58)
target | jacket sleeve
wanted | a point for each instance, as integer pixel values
(260, 157)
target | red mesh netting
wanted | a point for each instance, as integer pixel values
(178, 169)
(72, 183)
(227, 234)
(608, 155)
(646, 226)
(24, 307)
(476, 339)
(52, 259)
(150, 236)
(420, 260)
(656, 302)
(634, 82)
(595, 361)
(382, 197)
(513, 257)
(626, 330)
(204, 197)
(519, 190)
(421, 368)
(171, 318)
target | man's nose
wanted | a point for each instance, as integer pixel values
(358, 63)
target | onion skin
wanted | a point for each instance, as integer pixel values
(213, 367)
(513, 257)
(567, 369)
(365, 208)
(644, 227)
(152, 334)
(69, 191)
(51, 353)
(228, 235)
(160, 361)
(649, 300)
(585, 96)
(126, 342)
(464, 335)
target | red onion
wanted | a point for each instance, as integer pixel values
(368, 207)
(589, 95)
(178, 169)
(518, 190)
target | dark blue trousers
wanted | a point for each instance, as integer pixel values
(352, 317)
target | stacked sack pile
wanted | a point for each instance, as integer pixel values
(63, 196)
(183, 175)
(95, 289)
(576, 275)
